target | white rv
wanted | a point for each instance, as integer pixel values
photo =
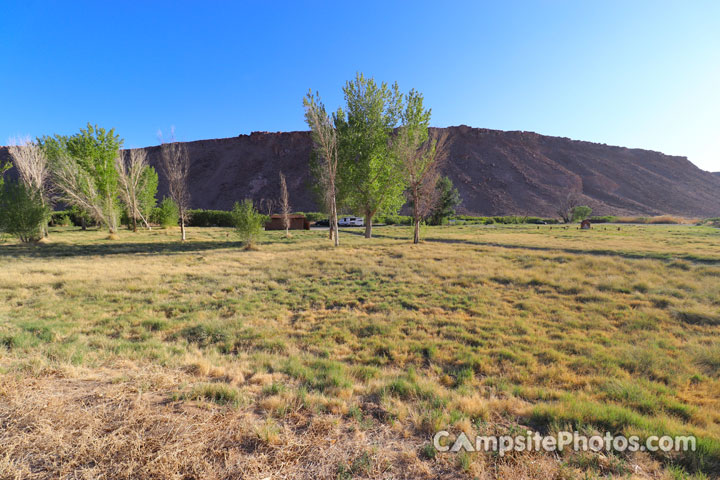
(351, 222)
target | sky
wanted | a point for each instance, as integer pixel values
(641, 74)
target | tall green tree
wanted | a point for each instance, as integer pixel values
(369, 173)
(83, 168)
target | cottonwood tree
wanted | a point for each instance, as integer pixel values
(134, 181)
(565, 205)
(370, 174)
(176, 167)
(419, 156)
(82, 167)
(284, 205)
(325, 141)
(32, 166)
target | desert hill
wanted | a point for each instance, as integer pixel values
(496, 172)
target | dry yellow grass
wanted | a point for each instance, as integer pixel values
(143, 357)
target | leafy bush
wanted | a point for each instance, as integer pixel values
(211, 218)
(506, 220)
(580, 213)
(394, 219)
(62, 218)
(166, 214)
(604, 219)
(247, 221)
(22, 212)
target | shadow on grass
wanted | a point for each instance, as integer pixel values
(55, 250)
(579, 251)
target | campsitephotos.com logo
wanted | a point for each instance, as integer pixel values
(444, 441)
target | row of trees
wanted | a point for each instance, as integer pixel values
(375, 154)
(89, 172)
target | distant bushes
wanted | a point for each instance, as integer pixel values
(604, 219)
(63, 218)
(710, 222)
(503, 220)
(164, 215)
(210, 218)
(394, 219)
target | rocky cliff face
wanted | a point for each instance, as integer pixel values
(496, 173)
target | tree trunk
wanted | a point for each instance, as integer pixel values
(368, 225)
(134, 223)
(182, 225)
(416, 218)
(334, 224)
(83, 223)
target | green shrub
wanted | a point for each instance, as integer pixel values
(580, 213)
(247, 221)
(62, 218)
(210, 218)
(604, 219)
(503, 220)
(166, 214)
(394, 219)
(22, 212)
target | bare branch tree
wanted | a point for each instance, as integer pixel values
(131, 165)
(421, 160)
(176, 166)
(267, 206)
(565, 205)
(326, 146)
(285, 205)
(32, 165)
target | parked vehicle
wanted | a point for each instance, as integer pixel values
(351, 222)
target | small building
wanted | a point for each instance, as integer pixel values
(585, 225)
(297, 222)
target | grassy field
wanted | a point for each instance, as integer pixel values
(145, 357)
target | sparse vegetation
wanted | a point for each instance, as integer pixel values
(118, 352)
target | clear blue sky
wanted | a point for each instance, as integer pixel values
(634, 73)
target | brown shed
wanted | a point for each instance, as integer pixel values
(297, 222)
(585, 224)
